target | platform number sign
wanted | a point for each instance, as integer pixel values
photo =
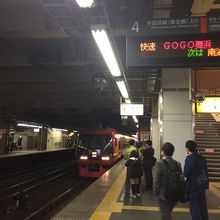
(135, 27)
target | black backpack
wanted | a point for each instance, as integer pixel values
(174, 187)
(203, 178)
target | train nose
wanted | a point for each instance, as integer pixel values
(94, 154)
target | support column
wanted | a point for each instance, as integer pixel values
(155, 130)
(175, 110)
(42, 139)
(4, 133)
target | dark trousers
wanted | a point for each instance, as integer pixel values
(148, 177)
(166, 208)
(127, 183)
(198, 205)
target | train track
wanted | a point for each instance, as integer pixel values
(48, 208)
(30, 197)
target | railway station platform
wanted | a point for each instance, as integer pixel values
(26, 152)
(105, 200)
(24, 159)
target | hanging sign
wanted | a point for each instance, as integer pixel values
(187, 25)
(131, 109)
(173, 51)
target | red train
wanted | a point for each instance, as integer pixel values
(98, 150)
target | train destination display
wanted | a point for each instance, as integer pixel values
(164, 51)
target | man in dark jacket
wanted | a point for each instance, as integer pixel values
(195, 171)
(160, 175)
(148, 162)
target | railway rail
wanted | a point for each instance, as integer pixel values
(33, 193)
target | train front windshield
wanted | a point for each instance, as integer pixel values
(102, 144)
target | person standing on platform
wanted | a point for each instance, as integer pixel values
(196, 173)
(160, 172)
(134, 171)
(148, 162)
(127, 153)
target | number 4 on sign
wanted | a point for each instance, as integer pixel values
(135, 26)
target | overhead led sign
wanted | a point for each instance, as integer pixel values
(131, 109)
(188, 50)
(209, 105)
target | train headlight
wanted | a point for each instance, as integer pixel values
(83, 157)
(105, 158)
(94, 154)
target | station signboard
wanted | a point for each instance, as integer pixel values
(209, 105)
(177, 26)
(173, 50)
(130, 109)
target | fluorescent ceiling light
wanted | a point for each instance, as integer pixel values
(123, 89)
(28, 125)
(59, 129)
(100, 35)
(85, 3)
(135, 119)
(128, 101)
(36, 130)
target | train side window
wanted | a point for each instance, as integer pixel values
(116, 143)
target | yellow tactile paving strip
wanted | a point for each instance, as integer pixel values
(110, 205)
(214, 188)
(156, 209)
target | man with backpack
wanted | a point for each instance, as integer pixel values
(168, 181)
(197, 181)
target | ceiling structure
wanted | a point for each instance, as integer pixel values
(52, 72)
